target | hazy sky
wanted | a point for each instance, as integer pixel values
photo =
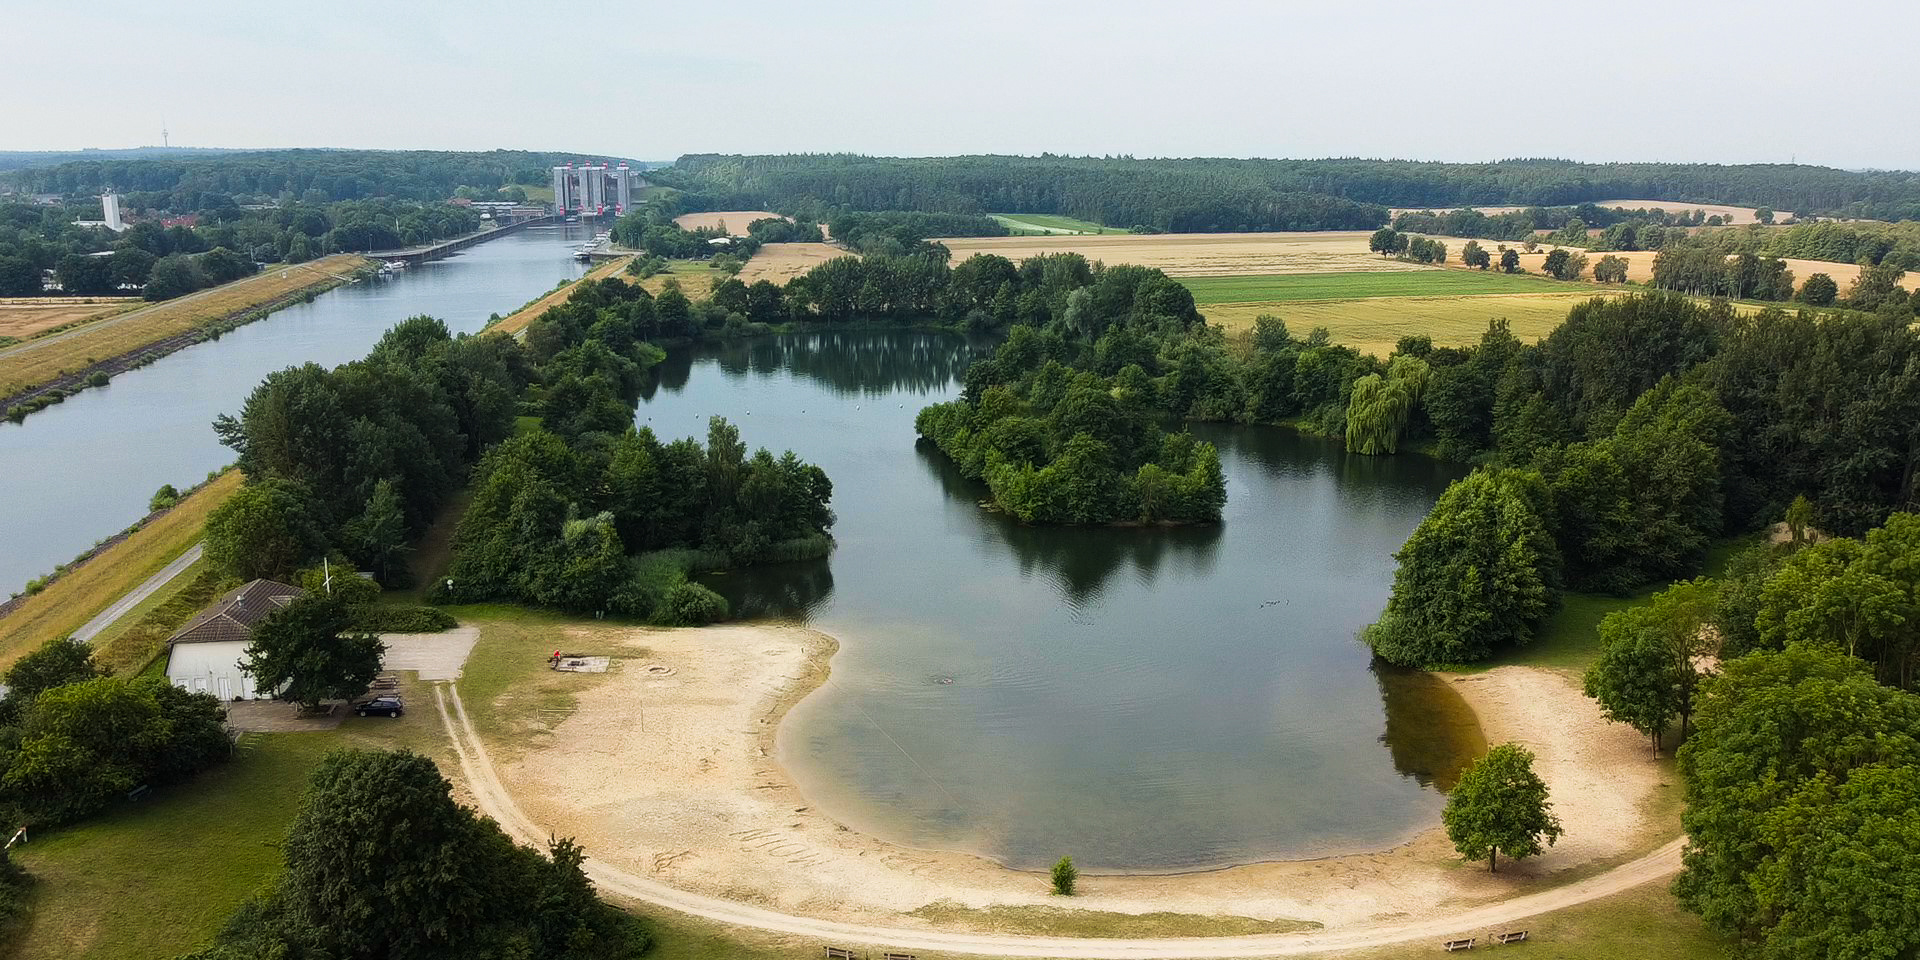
(1476, 80)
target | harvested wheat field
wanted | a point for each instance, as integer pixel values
(42, 360)
(23, 317)
(1375, 325)
(735, 221)
(1201, 254)
(781, 262)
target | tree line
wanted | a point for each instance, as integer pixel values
(312, 176)
(1211, 194)
(1610, 467)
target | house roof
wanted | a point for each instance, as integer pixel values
(234, 615)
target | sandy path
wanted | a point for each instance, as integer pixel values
(669, 779)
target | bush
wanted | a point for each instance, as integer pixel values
(163, 498)
(15, 887)
(1065, 877)
(691, 605)
(98, 378)
(383, 619)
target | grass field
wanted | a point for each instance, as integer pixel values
(24, 317)
(696, 278)
(1281, 288)
(38, 362)
(1047, 223)
(517, 321)
(1738, 215)
(73, 599)
(1375, 325)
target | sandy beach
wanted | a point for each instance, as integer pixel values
(665, 767)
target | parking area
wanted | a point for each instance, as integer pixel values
(434, 656)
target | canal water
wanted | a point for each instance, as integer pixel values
(1142, 700)
(84, 469)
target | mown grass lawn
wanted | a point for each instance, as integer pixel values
(1279, 288)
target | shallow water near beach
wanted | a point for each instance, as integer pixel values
(1143, 700)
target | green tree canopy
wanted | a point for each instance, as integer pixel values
(265, 529)
(306, 652)
(1500, 806)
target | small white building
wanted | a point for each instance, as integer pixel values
(205, 655)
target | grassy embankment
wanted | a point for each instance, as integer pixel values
(1047, 223)
(74, 598)
(517, 321)
(23, 369)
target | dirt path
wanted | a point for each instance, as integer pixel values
(493, 799)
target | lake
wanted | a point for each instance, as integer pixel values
(1153, 700)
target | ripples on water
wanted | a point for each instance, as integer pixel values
(1145, 700)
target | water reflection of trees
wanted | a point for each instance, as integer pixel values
(1080, 560)
(785, 590)
(1431, 732)
(848, 362)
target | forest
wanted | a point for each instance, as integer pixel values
(1207, 195)
(313, 176)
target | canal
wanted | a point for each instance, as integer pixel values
(84, 469)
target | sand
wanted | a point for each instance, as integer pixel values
(1201, 254)
(665, 768)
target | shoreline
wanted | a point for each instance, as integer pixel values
(717, 813)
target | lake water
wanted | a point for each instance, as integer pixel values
(84, 469)
(1143, 700)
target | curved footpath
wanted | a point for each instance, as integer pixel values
(494, 800)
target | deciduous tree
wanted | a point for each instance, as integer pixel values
(1500, 806)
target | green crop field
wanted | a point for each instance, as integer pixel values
(1049, 223)
(1351, 286)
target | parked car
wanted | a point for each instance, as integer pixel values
(381, 707)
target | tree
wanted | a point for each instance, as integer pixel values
(1610, 269)
(163, 498)
(1474, 255)
(1648, 665)
(1500, 805)
(1478, 574)
(1509, 261)
(83, 745)
(1065, 876)
(377, 538)
(57, 663)
(172, 276)
(1381, 407)
(1819, 291)
(82, 275)
(305, 652)
(1556, 264)
(1764, 215)
(19, 277)
(1384, 241)
(264, 530)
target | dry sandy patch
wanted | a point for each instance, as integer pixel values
(781, 262)
(666, 767)
(1200, 254)
(735, 221)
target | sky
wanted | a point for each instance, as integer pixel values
(1680, 80)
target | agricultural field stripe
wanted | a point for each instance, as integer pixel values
(1266, 288)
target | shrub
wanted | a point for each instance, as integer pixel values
(384, 619)
(690, 605)
(98, 378)
(163, 498)
(1065, 877)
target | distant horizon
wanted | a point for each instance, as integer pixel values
(930, 156)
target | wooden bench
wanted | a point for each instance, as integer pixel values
(1466, 944)
(840, 953)
(1518, 936)
(898, 956)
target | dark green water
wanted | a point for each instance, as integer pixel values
(1144, 700)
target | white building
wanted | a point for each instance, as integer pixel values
(205, 655)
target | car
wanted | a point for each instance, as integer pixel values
(381, 707)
